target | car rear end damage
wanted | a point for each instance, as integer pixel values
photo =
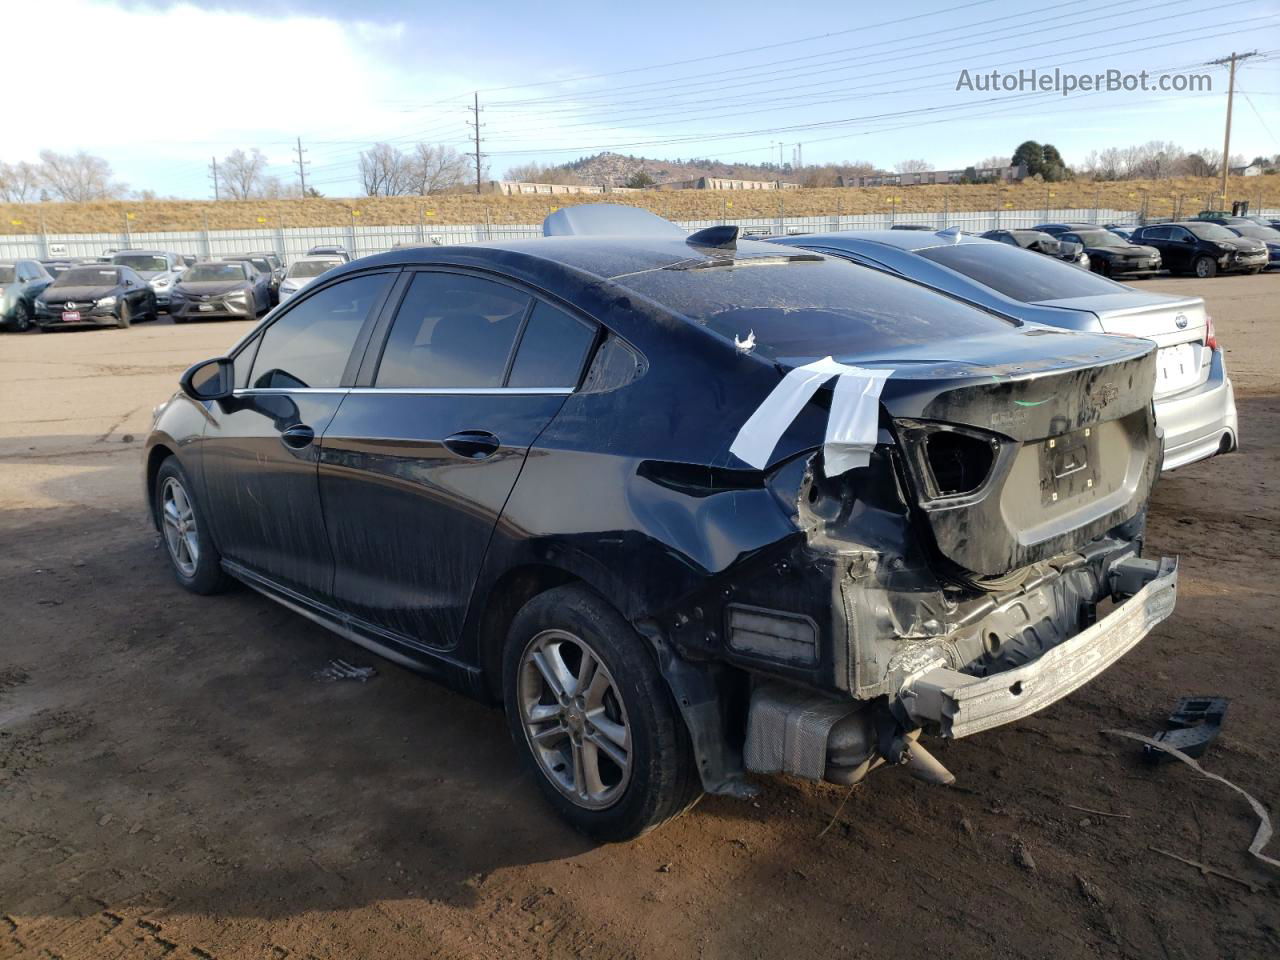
(984, 563)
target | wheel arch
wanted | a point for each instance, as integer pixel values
(157, 455)
(498, 607)
(697, 689)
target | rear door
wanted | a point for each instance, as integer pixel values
(417, 465)
(260, 449)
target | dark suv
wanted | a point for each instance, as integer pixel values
(1202, 248)
(620, 484)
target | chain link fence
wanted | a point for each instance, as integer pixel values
(292, 242)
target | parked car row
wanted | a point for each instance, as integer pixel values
(695, 506)
(124, 286)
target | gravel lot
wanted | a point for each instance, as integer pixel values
(174, 782)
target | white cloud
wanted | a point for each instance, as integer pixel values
(149, 87)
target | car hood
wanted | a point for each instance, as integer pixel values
(64, 294)
(209, 288)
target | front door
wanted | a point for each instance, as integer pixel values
(417, 465)
(260, 449)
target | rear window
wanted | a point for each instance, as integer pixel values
(1020, 274)
(813, 308)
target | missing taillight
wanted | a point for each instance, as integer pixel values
(1210, 333)
(959, 463)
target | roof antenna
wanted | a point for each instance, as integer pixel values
(724, 235)
(955, 233)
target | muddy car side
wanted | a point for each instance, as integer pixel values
(659, 615)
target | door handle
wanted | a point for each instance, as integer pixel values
(473, 444)
(297, 437)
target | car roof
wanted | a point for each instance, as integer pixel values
(150, 253)
(605, 257)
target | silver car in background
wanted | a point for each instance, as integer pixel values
(161, 269)
(1194, 400)
(305, 269)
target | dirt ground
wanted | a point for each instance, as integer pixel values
(174, 781)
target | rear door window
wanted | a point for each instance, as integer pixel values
(552, 349)
(452, 330)
(309, 344)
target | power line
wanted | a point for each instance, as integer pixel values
(804, 99)
(910, 44)
(933, 14)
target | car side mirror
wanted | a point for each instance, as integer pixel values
(210, 380)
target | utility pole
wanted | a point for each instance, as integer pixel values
(475, 110)
(214, 167)
(1231, 92)
(302, 169)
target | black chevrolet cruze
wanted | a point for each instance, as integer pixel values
(689, 507)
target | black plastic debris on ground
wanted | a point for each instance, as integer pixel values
(1194, 724)
(341, 670)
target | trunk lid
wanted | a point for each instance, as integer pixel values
(1023, 446)
(1178, 325)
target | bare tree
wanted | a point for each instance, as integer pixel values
(913, 166)
(436, 169)
(384, 171)
(992, 162)
(78, 178)
(241, 175)
(828, 174)
(536, 173)
(19, 182)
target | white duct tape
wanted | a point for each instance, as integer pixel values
(851, 427)
(854, 421)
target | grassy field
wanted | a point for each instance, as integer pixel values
(1161, 197)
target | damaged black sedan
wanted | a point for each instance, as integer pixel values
(689, 507)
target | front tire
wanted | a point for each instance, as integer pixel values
(124, 316)
(593, 719)
(194, 559)
(22, 317)
(1205, 267)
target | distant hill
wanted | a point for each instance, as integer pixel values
(614, 169)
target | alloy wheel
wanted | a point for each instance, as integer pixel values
(180, 532)
(574, 719)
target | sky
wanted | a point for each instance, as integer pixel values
(556, 81)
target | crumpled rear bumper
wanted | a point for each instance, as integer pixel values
(955, 704)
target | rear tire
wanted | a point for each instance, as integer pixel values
(193, 558)
(1205, 267)
(609, 750)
